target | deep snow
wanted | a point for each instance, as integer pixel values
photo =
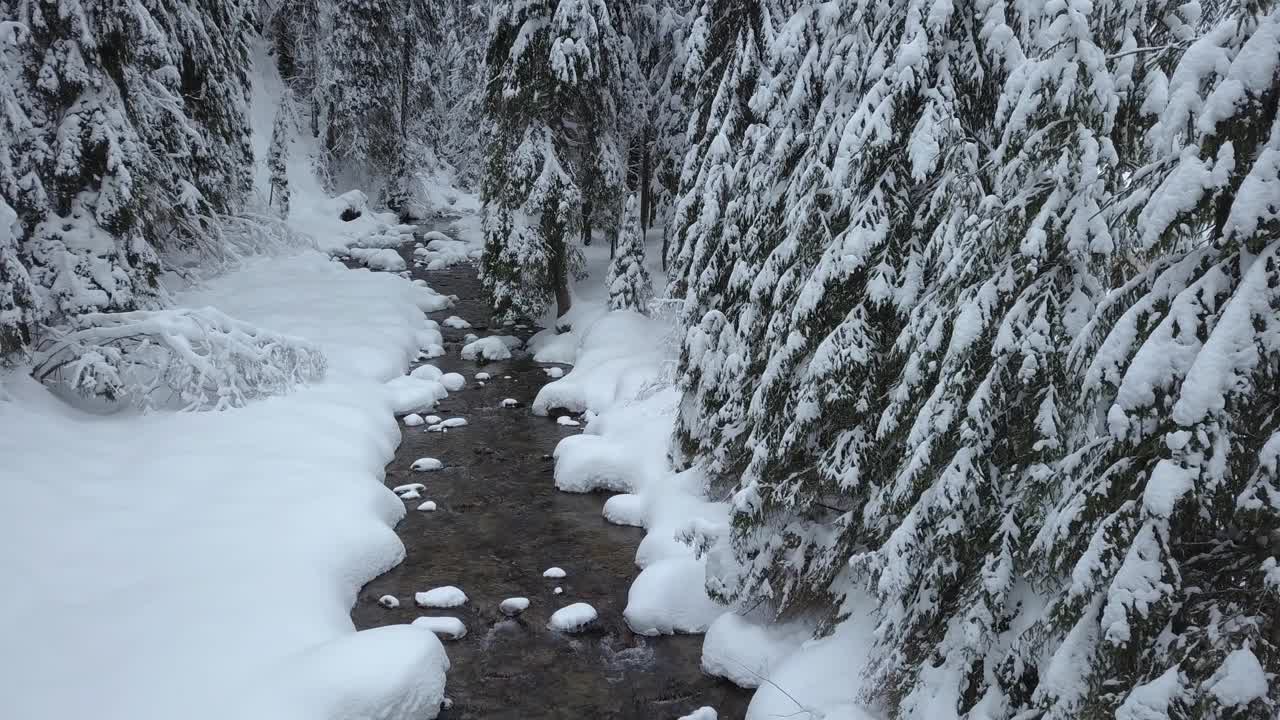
(153, 561)
(204, 564)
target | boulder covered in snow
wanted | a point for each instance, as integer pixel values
(444, 425)
(573, 618)
(426, 464)
(512, 607)
(457, 323)
(441, 597)
(450, 628)
(349, 205)
(494, 347)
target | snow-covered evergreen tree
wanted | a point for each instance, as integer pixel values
(660, 32)
(630, 287)
(19, 300)
(361, 93)
(554, 145)
(901, 246)
(129, 137)
(601, 95)
(278, 160)
(1160, 532)
(459, 99)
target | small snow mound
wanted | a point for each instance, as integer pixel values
(456, 323)
(383, 259)
(427, 464)
(427, 372)
(558, 590)
(453, 382)
(389, 601)
(554, 347)
(494, 347)
(625, 509)
(450, 628)
(554, 573)
(554, 372)
(413, 420)
(431, 351)
(411, 495)
(408, 487)
(441, 597)
(567, 421)
(669, 597)
(587, 463)
(573, 618)
(482, 376)
(446, 424)
(512, 607)
(432, 420)
(428, 506)
(703, 713)
(410, 394)
(510, 403)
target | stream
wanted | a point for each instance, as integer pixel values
(500, 523)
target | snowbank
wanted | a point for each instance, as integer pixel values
(620, 379)
(204, 564)
(153, 560)
(746, 653)
(385, 673)
(369, 324)
(821, 677)
(617, 379)
(618, 356)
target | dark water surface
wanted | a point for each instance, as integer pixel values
(500, 522)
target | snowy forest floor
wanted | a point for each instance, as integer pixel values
(499, 523)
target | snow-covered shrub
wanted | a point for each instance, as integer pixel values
(221, 243)
(193, 359)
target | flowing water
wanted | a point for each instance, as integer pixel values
(500, 522)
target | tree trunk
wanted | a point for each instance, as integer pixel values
(646, 192)
(586, 223)
(406, 57)
(560, 273)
